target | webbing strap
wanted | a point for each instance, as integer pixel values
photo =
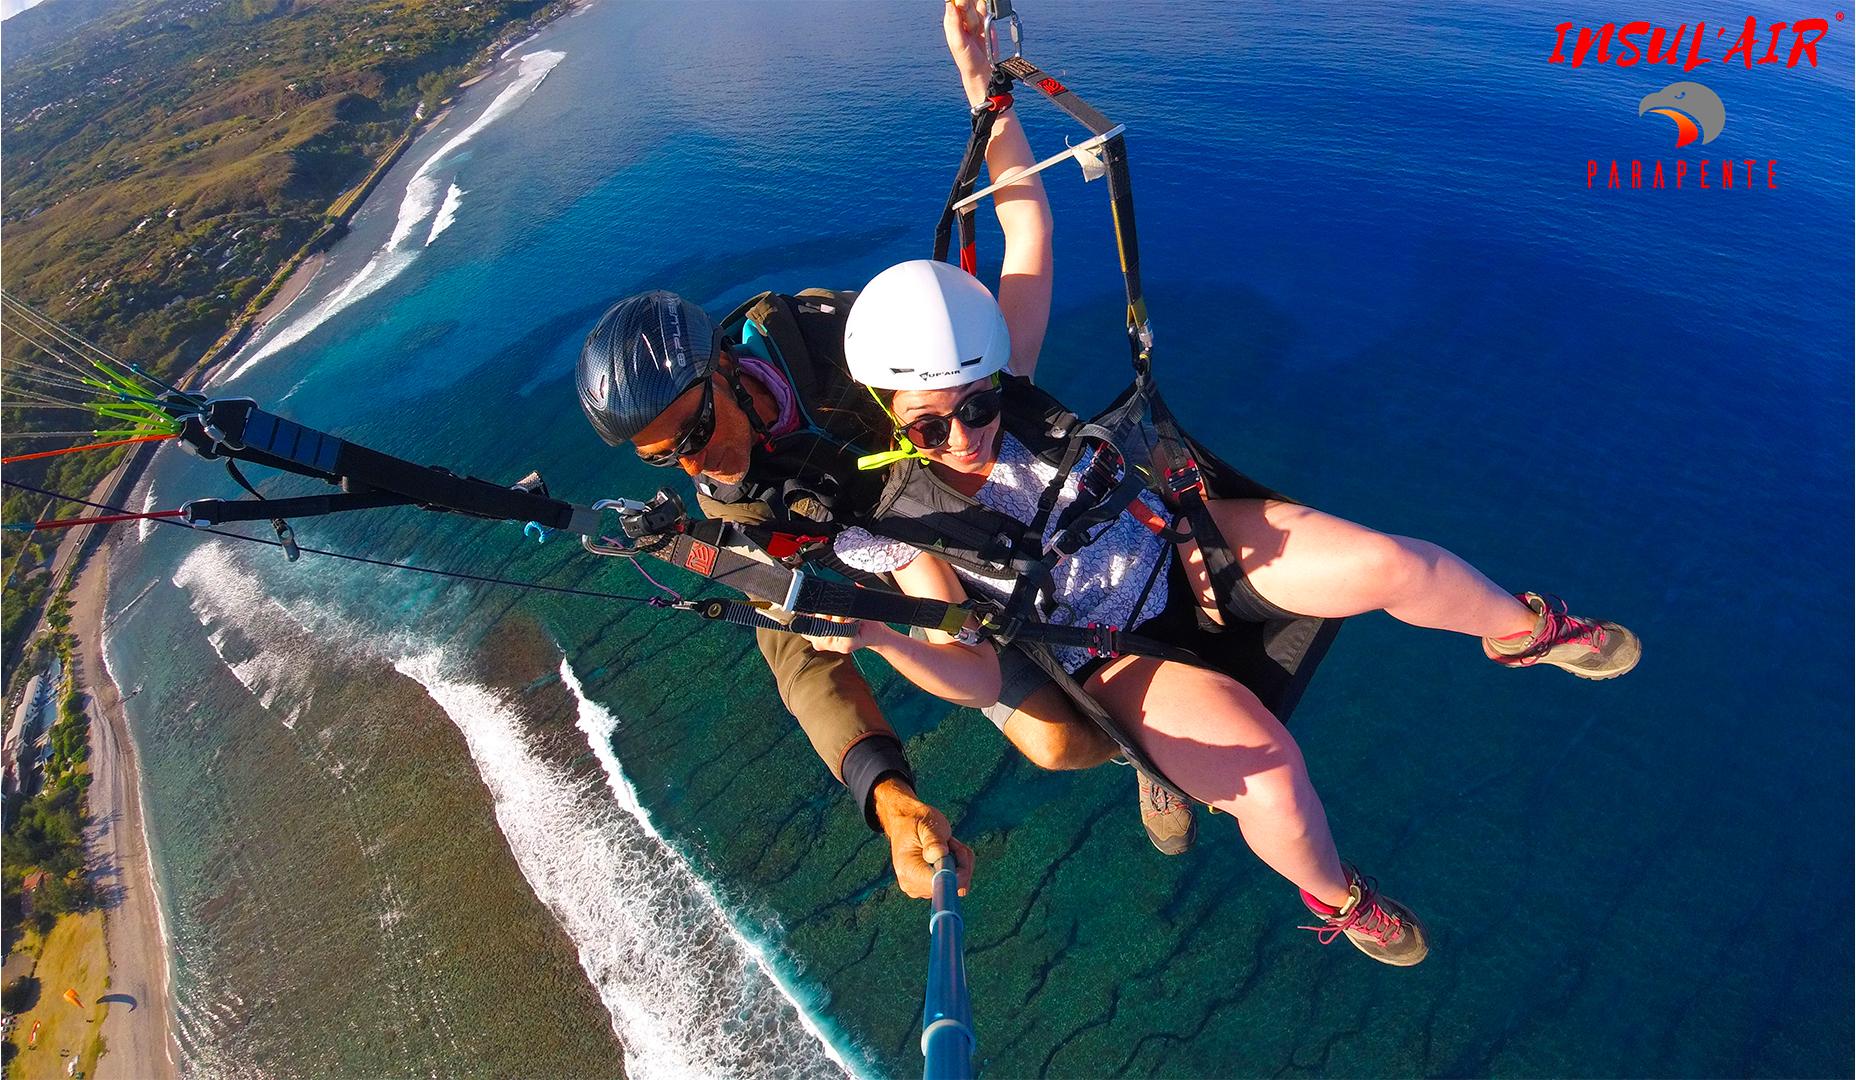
(239, 430)
(1121, 195)
(998, 99)
(1093, 709)
(1030, 562)
(853, 601)
(720, 551)
(1186, 490)
(1073, 527)
(744, 614)
(225, 511)
(732, 555)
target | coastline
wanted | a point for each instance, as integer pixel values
(293, 287)
(138, 1028)
(301, 268)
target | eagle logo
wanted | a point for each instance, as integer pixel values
(1697, 111)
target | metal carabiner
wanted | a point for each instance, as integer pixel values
(607, 545)
(998, 11)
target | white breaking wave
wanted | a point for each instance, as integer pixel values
(146, 525)
(688, 996)
(421, 196)
(236, 611)
(447, 213)
(598, 724)
(416, 206)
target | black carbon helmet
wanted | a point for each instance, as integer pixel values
(646, 351)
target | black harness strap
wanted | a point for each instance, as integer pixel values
(1121, 195)
(998, 99)
(1093, 709)
(286, 536)
(1186, 485)
(223, 511)
(239, 430)
(1034, 586)
(1090, 508)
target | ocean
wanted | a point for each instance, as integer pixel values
(405, 825)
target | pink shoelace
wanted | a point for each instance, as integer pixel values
(1560, 628)
(1367, 918)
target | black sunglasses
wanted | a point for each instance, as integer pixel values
(695, 437)
(976, 411)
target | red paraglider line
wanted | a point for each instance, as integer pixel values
(77, 449)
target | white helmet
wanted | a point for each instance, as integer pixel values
(925, 325)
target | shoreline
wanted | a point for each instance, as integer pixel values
(301, 268)
(293, 287)
(138, 1033)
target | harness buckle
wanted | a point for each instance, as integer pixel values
(286, 537)
(994, 104)
(639, 523)
(787, 546)
(1186, 478)
(646, 521)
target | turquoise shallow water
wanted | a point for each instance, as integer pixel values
(1380, 284)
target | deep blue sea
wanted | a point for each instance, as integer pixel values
(410, 826)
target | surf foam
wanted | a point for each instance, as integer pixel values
(245, 624)
(447, 213)
(599, 723)
(146, 525)
(688, 996)
(688, 993)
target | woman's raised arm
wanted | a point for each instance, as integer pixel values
(1023, 209)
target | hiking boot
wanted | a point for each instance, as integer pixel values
(1169, 820)
(1588, 648)
(1382, 928)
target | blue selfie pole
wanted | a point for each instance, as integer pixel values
(947, 1017)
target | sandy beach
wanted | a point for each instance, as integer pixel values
(293, 287)
(137, 1032)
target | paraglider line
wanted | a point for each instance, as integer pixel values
(459, 575)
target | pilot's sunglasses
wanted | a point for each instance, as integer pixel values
(978, 410)
(695, 437)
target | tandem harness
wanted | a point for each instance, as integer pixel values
(1135, 445)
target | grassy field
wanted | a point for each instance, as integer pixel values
(72, 957)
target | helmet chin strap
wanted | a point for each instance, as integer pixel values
(745, 400)
(889, 457)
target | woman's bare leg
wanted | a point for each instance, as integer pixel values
(1213, 738)
(1311, 563)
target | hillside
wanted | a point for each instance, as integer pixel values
(165, 157)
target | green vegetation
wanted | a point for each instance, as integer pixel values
(164, 158)
(46, 831)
